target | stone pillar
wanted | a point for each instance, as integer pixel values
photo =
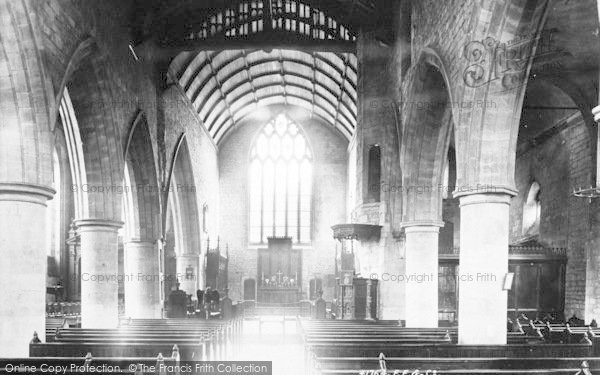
(22, 266)
(421, 276)
(392, 295)
(188, 282)
(482, 304)
(99, 273)
(142, 280)
(592, 287)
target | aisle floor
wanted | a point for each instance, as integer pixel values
(271, 343)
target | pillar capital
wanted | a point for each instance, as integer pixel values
(139, 242)
(484, 190)
(103, 225)
(25, 192)
(596, 112)
(422, 225)
(501, 197)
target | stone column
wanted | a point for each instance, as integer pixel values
(99, 273)
(142, 280)
(23, 266)
(482, 304)
(421, 276)
(592, 287)
(188, 284)
(392, 295)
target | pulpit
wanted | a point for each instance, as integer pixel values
(279, 272)
(356, 296)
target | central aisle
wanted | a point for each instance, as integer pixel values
(271, 344)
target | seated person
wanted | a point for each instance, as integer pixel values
(200, 296)
(216, 300)
(207, 300)
(177, 303)
(574, 321)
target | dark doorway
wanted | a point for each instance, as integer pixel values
(249, 290)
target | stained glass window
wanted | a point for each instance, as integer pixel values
(280, 183)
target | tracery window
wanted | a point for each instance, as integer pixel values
(281, 164)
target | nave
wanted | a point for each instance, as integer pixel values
(419, 177)
(313, 346)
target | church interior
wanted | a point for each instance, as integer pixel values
(330, 186)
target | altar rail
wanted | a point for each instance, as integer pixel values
(293, 310)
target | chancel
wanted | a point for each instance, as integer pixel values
(331, 186)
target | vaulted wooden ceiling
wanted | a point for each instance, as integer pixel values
(226, 86)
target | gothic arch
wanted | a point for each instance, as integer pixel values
(139, 156)
(181, 201)
(491, 100)
(93, 100)
(425, 141)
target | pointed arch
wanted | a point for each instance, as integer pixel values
(427, 133)
(87, 81)
(143, 185)
(181, 200)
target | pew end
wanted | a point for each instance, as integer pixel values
(382, 364)
(585, 369)
(35, 339)
(160, 362)
(175, 354)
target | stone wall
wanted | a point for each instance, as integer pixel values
(329, 201)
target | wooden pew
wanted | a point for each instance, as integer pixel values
(202, 348)
(513, 367)
(357, 339)
(111, 349)
(53, 323)
(359, 330)
(84, 365)
(198, 340)
(452, 350)
(443, 365)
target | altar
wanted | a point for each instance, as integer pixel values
(279, 296)
(279, 272)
